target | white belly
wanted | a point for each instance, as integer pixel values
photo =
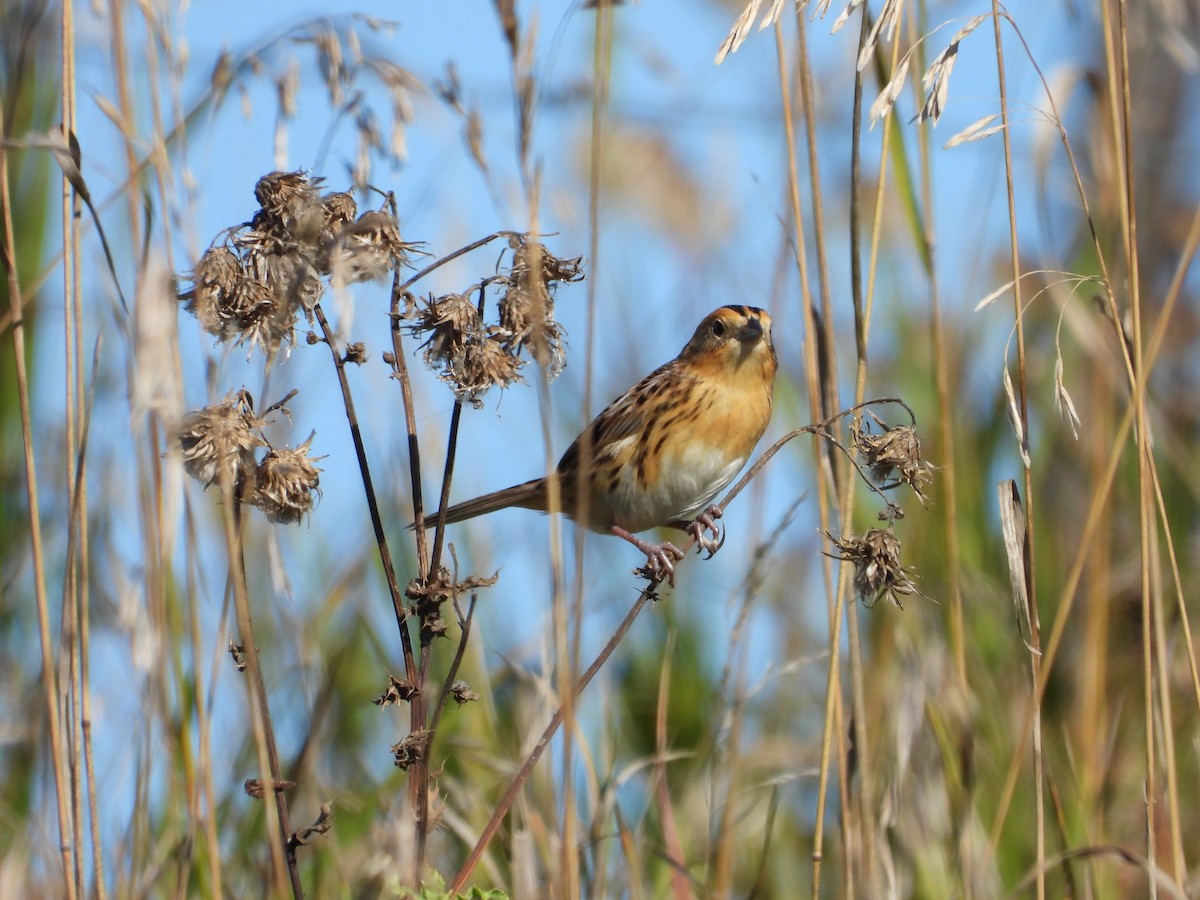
(685, 487)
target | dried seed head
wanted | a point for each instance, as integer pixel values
(527, 308)
(339, 210)
(286, 266)
(397, 690)
(896, 452)
(483, 364)
(411, 749)
(449, 321)
(257, 788)
(291, 205)
(286, 482)
(462, 693)
(877, 569)
(256, 315)
(368, 248)
(214, 281)
(321, 825)
(221, 438)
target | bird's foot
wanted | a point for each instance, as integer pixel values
(660, 558)
(709, 535)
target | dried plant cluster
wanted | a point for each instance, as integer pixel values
(218, 444)
(472, 354)
(891, 457)
(251, 286)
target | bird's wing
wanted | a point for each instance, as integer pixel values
(614, 431)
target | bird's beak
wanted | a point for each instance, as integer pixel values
(751, 332)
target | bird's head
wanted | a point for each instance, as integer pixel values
(734, 339)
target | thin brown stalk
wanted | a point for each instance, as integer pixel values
(400, 372)
(510, 795)
(721, 870)
(866, 771)
(283, 854)
(680, 885)
(1035, 627)
(947, 462)
(208, 816)
(813, 381)
(828, 333)
(73, 574)
(464, 626)
(420, 772)
(418, 778)
(76, 624)
(568, 665)
(1150, 584)
(49, 675)
(760, 878)
(385, 556)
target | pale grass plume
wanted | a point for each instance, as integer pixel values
(978, 130)
(744, 23)
(844, 15)
(884, 28)
(936, 81)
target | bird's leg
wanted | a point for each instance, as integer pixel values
(707, 522)
(660, 558)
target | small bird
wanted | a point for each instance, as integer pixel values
(663, 450)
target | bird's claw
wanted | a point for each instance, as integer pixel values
(707, 522)
(660, 561)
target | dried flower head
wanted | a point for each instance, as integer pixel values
(286, 482)
(238, 654)
(411, 749)
(214, 283)
(462, 693)
(321, 825)
(338, 211)
(221, 438)
(877, 569)
(257, 788)
(368, 248)
(449, 322)
(398, 689)
(290, 205)
(895, 452)
(250, 290)
(484, 364)
(289, 271)
(527, 307)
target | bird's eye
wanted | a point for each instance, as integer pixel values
(718, 328)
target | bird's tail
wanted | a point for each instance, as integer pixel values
(530, 495)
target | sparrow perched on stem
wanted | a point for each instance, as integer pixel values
(663, 450)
